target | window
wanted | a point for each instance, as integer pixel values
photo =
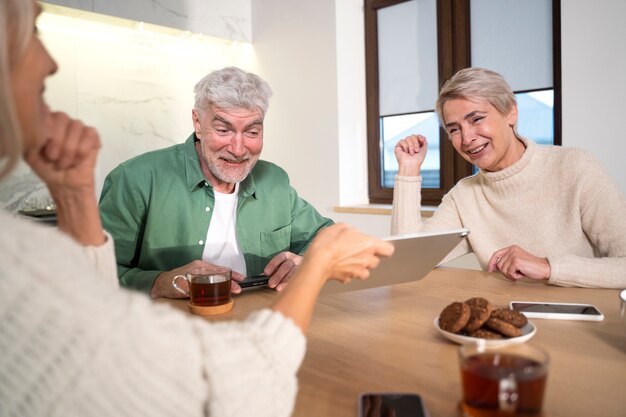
(413, 46)
(536, 116)
(394, 128)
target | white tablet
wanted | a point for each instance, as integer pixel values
(414, 257)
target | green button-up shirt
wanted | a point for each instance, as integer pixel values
(158, 208)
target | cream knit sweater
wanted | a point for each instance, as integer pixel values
(73, 344)
(554, 202)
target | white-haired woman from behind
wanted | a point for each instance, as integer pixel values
(73, 343)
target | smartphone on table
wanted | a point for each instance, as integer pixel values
(254, 281)
(558, 311)
(376, 404)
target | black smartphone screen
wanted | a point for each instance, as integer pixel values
(255, 281)
(385, 405)
(556, 308)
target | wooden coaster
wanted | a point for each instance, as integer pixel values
(211, 310)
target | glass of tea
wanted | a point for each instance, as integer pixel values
(208, 286)
(502, 381)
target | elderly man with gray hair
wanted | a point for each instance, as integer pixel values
(209, 200)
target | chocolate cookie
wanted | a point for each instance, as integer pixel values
(454, 317)
(502, 327)
(480, 310)
(513, 317)
(486, 334)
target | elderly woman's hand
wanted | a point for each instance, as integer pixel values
(345, 253)
(410, 153)
(66, 160)
(515, 263)
(337, 252)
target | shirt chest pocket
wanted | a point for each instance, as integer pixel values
(272, 243)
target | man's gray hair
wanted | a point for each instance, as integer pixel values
(232, 87)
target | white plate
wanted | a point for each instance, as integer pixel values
(528, 331)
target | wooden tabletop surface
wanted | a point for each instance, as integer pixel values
(383, 340)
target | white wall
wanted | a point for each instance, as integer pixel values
(594, 81)
(295, 47)
(351, 110)
(312, 54)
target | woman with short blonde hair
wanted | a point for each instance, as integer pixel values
(546, 213)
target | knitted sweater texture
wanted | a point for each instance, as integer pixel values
(74, 344)
(554, 202)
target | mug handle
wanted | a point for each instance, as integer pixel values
(177, 287)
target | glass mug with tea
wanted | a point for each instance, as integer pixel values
(209, 287)
(502, 381)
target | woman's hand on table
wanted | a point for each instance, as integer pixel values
(514, 263)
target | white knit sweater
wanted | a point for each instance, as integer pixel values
(73, 344)
(554, 202)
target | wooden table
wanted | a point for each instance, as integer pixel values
(383, 339)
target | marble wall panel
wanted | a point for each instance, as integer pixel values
(133, 84)
(224, 19)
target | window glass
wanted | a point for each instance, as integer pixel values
(394, 128)
(536, 116)
(514, 38)
(407, 57)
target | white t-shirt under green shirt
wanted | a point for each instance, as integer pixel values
(221, 247)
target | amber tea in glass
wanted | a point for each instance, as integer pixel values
(207, 286)
(503, 381)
